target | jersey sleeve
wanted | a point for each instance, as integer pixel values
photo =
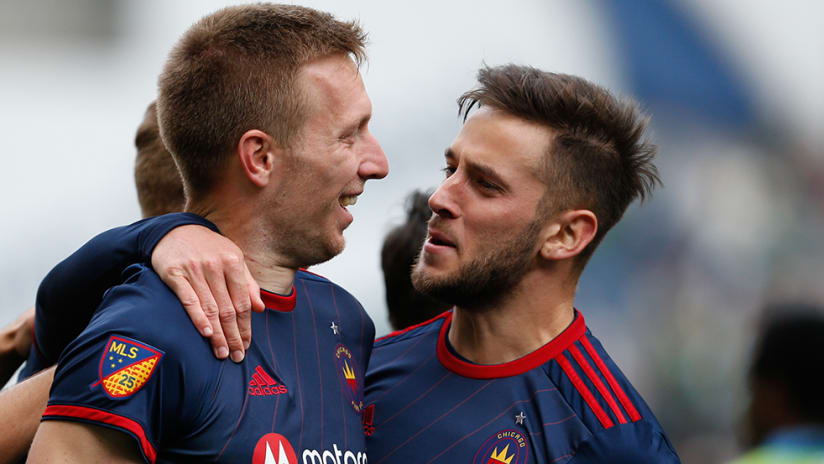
(72, 291)
(129, 373)
(634, 443)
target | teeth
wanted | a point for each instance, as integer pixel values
(348, 200)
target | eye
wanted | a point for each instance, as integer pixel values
(486, 184)
(448, 171)
(350, 137)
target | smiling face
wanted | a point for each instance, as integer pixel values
(330, 161)
(483, 236)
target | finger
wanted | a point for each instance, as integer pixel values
(226, 311)
(191, 303)
(199, 282)
(236, 283)
(254, 291)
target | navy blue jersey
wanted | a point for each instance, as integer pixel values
(566, 402)
(141, 367)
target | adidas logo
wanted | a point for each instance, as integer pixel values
(262, 384)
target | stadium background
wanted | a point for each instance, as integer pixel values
(736, 88)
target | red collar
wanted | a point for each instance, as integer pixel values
(492, 371)
(282, 303)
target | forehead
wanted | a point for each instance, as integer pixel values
(333, 84)
(503, 142)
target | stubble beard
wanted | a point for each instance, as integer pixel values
(309, 245)
(487, 280)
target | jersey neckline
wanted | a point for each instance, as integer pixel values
(517, 367)
(277, 302)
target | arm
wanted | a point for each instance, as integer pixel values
(15, 340)
(22, 406)
(72, 442)
(85, 275)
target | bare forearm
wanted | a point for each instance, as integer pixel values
(22, 406)
(61, 442)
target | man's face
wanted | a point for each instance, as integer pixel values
(332, 158)
(483, 235)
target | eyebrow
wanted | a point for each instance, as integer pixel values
(476, 168)
(357, 125)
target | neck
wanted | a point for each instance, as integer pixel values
(241, 223)
(538, 310)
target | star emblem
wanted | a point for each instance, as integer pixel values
(520, 418)
(335, 328)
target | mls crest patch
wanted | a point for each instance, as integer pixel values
(126, 365)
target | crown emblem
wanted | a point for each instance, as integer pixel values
(349, 374)
(500, 458)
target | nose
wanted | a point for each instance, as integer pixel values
(374, 164)
(442, 201)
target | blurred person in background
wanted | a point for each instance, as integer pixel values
(785, 418)
(159, 191)
(401, 247)
(156, 177)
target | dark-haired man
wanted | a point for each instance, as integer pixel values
(545, 166)
(266, 114)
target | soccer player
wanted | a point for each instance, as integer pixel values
(400, 249)
(265, 112)
(541, 170)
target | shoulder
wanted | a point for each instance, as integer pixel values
(622, 426)
(144, 309)
(639, 442)
(401, 337)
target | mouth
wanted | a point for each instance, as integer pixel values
(439, 239)
(347, 200)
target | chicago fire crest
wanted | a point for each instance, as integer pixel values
(504, 447)
(350, 376)
(126, 365)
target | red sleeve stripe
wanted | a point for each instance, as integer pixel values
(584, 391)
(602, 389)
(619, 392)
(103, 417)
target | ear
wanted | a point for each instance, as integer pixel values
(568, 234)
(257, 151)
